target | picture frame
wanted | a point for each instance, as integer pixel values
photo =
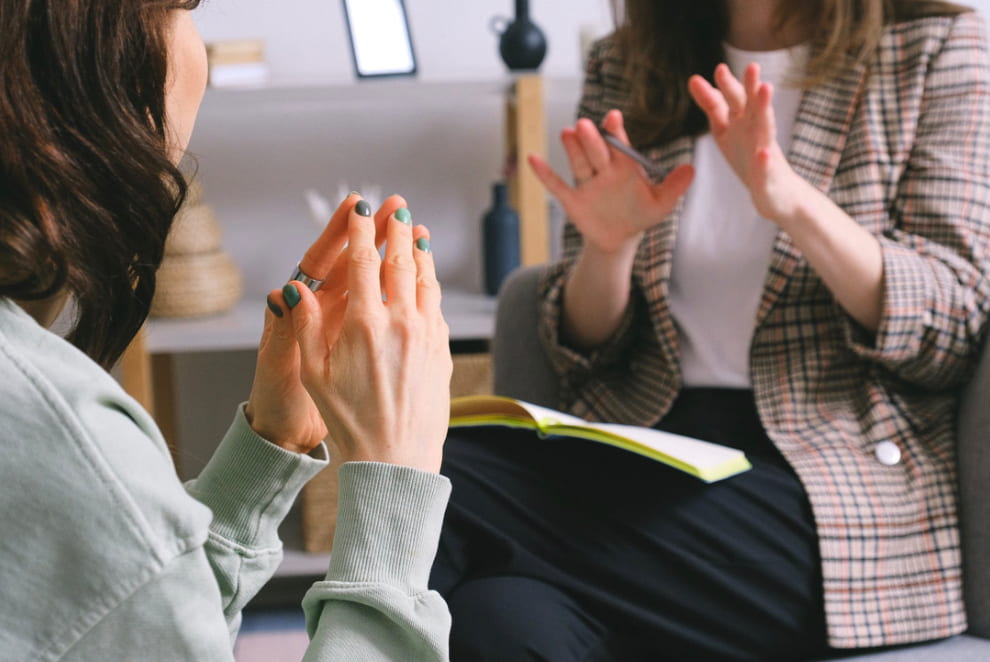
(381, 43)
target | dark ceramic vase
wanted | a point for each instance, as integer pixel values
(521, 42)
(500, 234)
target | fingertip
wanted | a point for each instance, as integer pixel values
(292, 293)
(273, 303)
(421, 232)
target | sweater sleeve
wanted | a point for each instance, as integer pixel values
(374, 603)
(936, 289)
(249, 484)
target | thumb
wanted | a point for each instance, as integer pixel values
(668, 192)
(304, 313)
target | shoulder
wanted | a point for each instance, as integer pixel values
(605, 84)
(917, 42)
(80, 469)
(92, 507)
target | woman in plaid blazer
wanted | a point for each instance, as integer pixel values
(869, 309)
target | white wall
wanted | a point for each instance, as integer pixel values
(307, 40)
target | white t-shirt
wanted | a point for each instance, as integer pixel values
(723, 246)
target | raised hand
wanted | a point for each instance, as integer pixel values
(375, 358)
(612, 201)
(743, 124)
(279, 407)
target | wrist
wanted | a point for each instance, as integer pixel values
(621, 255)
(797, 209)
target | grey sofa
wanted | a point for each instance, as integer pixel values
(522, 370)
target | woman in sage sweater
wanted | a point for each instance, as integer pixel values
(105, 555)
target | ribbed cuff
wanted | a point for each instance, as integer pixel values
(388, 525)
(250, 484)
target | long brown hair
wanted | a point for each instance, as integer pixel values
(664, 42)
(87, 189)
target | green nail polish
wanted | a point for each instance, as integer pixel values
(402, 214)
(272, 306)
(291, 295)
(423, 244)
(363, 208)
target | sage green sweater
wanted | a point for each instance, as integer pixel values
(105, 555)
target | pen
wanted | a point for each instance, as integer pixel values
(612, 140)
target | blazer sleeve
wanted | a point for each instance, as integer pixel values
(936, 291)
(571, 365)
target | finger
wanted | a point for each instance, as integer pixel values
(578, 160)
(732, 90)
(322, 254)
(364, 262)
(427, 285)
(399, 269)
(392, 204)
(336, 280)
(303, 312)
(615, 124)
(557, 186)
(668, 192)
(751, 80)
(593, 144)
(766, 121)
(711, 101)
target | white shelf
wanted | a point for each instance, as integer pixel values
(469, 316)
(412, 92)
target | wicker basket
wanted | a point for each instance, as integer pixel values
(194, 285)
(194, 230)
(472, 376)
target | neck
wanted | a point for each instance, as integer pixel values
(44, 311)
(751, 27)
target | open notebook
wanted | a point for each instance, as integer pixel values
(702, 459)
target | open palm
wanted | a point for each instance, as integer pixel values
(612, 202)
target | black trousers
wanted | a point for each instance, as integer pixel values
(562, 549)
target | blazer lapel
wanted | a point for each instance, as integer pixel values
(821, 128)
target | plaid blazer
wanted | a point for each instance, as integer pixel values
(903, 146)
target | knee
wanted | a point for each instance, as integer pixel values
(515, 618)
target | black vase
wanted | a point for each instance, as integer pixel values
(500, 234)
(522, 43)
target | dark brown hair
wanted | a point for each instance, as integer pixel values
(87, 189)
(664, 42)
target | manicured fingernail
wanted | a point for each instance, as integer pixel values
(402, 214)
(363, 208)
(272, 306)
(353, 193)
(291, 295)
(423, 244)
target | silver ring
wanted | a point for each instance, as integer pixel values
(312, 283)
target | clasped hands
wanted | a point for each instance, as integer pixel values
(613, 202)
(364, 361)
